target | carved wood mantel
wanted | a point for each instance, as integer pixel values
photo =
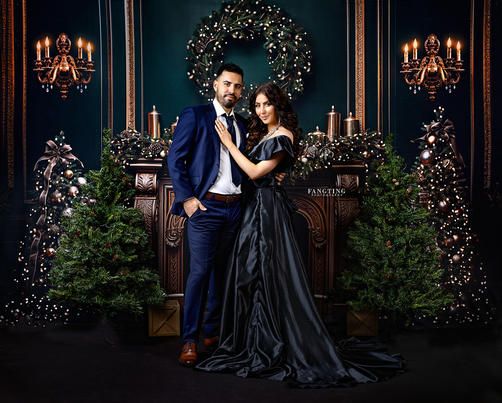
(328, 201)
(146, 179)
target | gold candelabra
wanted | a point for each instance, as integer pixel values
(432, 71)
(64, 70)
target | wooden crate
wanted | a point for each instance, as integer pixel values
(164, 320)
(362, 323)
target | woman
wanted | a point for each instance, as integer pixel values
(270, 326)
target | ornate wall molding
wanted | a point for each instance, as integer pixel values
(487, 95)
(8, 87)
(130, 64)
(109, 60)
(471, 96)
(360, 90)
(379, 66)
(23, 96)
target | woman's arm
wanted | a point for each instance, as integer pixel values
(254, 171)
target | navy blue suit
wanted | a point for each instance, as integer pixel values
(193, 160)
(194, 156)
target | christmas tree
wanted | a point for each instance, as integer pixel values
(104, 262)
(393, 261)
(440, 174)
(58, 181)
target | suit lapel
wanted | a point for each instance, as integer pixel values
(243, 132)
(211, 131)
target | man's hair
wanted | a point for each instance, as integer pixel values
(232, 68)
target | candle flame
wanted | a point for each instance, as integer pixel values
(458, 45)
(406, 47)
(46, 41)
(89, 47)
(79, 42)
(448, 43)
(38, 45)
(415, 43)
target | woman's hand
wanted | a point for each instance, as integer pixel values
(225, 136)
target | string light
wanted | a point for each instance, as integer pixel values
(29, 301)
(316, 152)
(288, 54)
(442, 179)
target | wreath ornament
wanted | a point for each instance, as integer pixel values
(288, 53)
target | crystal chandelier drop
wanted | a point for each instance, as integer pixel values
(432, 71)
(63, 70)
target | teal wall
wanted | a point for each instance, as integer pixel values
(409, 110)
(163, 29)
(168, 28)
(79, 116)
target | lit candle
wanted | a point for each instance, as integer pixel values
(89, 54)
(406, 53)
(79, 43)
(458, 51)
(448, 50)
(39, 51)
(47, 47)
(415, 51)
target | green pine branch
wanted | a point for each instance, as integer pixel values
(104, 261)
(394, 263)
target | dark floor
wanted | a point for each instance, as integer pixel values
(60, 364)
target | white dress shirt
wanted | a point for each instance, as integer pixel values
(223, 183)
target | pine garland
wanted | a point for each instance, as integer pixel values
(317, 152)
(130, 145)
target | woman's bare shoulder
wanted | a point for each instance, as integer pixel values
(282, 131)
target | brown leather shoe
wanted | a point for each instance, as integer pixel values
(210, 342)
(188, 355)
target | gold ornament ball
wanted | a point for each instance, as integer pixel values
(81, 180)
(73, 191)
(56, 196)
(163, 153)
(455, 258)
(50, 252)
(68, 174)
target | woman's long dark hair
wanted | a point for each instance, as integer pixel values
(283, 108)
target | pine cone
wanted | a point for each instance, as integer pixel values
(155, 148)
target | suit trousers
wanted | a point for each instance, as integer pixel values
(211, 235)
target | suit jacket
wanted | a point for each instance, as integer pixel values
(194, 155)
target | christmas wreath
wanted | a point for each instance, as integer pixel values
(288, 53)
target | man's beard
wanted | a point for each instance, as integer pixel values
(228, 102)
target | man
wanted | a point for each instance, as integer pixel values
(207, 187)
